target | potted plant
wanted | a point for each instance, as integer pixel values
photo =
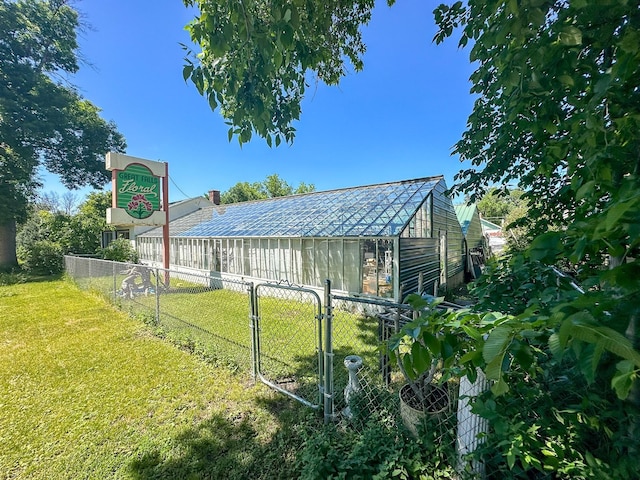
(424, 350)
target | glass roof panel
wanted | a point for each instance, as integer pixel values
(373, 210)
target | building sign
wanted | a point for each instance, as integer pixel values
(137, 191)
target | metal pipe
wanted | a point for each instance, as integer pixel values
(328, 355)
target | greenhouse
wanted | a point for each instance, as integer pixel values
(475, 243)
(376, 240)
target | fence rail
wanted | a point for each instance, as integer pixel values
(324, 352)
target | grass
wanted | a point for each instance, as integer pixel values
(87, 392)
(215, 323)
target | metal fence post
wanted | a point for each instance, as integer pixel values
(253, 314)
(157, 296)
(328, 354)
(115, 281)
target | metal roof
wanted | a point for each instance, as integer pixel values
(465, 215)
(373, 210)
(487, 225)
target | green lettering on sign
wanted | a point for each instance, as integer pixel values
(137, 191)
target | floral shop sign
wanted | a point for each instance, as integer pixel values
(138, 191)
(138, 186)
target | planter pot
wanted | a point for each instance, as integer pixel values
(413, 413)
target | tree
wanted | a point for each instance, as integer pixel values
(270, 187)
(43, 121)
(558, 110)
(51, 201)
(256, 57)
(242, 192)
(496, 204)
(79, 233)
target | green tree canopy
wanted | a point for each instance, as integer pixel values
(496, 204)
(256, 57)
(270, 187)
(43, 121)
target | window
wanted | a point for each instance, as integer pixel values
(111, 235)
(420, 226)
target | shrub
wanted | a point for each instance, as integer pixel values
(120, 250)
(12, 277)
(380, 450)
(42, 257)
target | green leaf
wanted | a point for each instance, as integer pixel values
(212, 101)
(186, 72)
(555, 346)
(500, 387)
(566, 80)
(586, 189)
(496, 343)
(622, 381)
(472, 357)
(421, 360)
(611, 340)
(408, 367)
(570, 36)
(545, 247)
(432, 343)
(277, 58)
(493, 370)
(616, 212)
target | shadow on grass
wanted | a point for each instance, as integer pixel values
(16, 276)
(230, 448)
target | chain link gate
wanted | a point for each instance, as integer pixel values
(287, 341)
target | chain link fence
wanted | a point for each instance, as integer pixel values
(327, 353)
(361, 327)
(206, 314)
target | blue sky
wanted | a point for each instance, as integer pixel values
(397, 119)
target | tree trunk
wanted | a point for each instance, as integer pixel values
(8, 258)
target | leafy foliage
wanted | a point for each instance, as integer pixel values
(257, 55)
(42, 257)
(79, 233)
(573, 424)
(270, 187)
(44, 122)
(120, 250)
(558, 112)
(497, 204)
(378, 451)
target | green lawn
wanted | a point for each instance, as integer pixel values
(215, 322)
(87, 392)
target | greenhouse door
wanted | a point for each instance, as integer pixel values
(287, 327)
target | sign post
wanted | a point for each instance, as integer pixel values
(137, 198)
